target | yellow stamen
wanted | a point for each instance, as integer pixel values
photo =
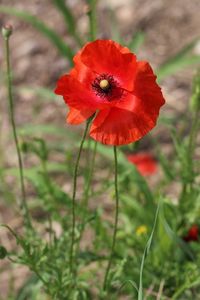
(104, 84)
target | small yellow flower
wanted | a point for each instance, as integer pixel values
(141, 230)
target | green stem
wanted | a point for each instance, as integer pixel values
(116, 222)
(191, 147)
(88, 185)
(72, 258)
(23, 203)
(193, 134)
(92, 19)
(86, 193)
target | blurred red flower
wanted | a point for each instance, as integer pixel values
(144, 162)
(192, 234)
(107, 80)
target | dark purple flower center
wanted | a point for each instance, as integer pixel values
(105, 86)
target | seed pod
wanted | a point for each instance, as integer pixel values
(7, 31)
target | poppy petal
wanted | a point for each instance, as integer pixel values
(147, 89)
(116, 126)
(127, 108)
(76, 117)
(144, 162)
(104, 57)
(76, 95)
(83, 74)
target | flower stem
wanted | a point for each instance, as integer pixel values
(23, 203)
(88, 184)
(115, 223)
(193, 134)
(92, 19)
(72, 256)
(190, 150)
(86, 194)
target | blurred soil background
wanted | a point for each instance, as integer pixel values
(168, 26)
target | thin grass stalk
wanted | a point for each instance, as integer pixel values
(23, 202)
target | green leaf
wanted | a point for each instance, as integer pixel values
(166, 166)
(146, 251)
(114, 29)
(184, 287)
(25, 291)
(136, 41)
(32, 171)
(69, 19)
(178, 62)
(177, 240)
(63, 48)
(41, 92)
(49, 191)
(41, 129)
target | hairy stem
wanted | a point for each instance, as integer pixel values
(86, 193)
(115, 223)
(88, 184)
(23, 202)
(92, 19)
(190, 150)
(72, 256)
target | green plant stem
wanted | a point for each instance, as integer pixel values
(86, 193)
(88, 184)
(72, 258)
(92, 19)
(191, 147)
(23, 203)
(193, 134)
(115, 223)
(69, 19)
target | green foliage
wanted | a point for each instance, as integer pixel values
(195, 98)
(146, 252)
(68, 18)
(136, 41)
(181, 60)
(170, 259)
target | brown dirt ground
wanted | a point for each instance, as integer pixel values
(169, 25)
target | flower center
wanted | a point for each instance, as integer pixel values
(105, 86)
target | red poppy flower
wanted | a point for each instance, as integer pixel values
(192, 234)
(144, 162)
(109, 81)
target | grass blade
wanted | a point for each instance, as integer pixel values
(146, 251)
(43, 28)
(178, 62)
(68, 18)
(43, 93)
(136, 41)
